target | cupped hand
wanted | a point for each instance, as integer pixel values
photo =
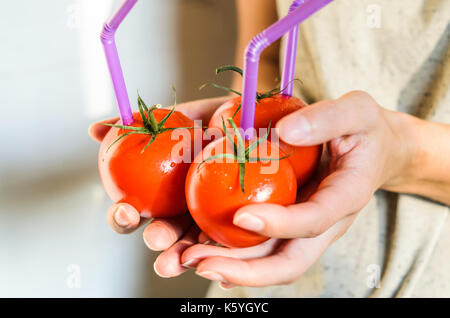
(171, 235)
(367, 148)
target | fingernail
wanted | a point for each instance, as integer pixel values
(157, 238)
(294, 129)
(146, 243)
(249, 222)
(121, 217)
(190, 263)
(211, 276)
(158, 273)
(226, 286)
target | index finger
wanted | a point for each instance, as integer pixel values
(198, 252)
(352, 113)
(340, 194)
(202, 109)
(97, 131)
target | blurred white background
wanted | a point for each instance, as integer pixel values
(54, 240)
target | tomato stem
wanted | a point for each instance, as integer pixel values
(259, 96)
(241, 153)
(151, 126)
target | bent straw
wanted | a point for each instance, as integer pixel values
(253, 52)
(112, 57)
(290, 54)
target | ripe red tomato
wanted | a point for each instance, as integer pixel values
(214, 193)
(151, 180)
(303, 159)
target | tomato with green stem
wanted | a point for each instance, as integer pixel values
(136, 162)
(271, 106)
(233, 175)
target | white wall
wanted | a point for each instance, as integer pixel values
(53, 83)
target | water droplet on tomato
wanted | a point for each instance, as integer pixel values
(263, 193)
(167, 166)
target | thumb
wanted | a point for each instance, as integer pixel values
(326, 120)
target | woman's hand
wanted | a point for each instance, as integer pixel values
(368, 147)
(171, 235)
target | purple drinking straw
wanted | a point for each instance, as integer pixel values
(290, 54)
(112, 57)
(253, 52)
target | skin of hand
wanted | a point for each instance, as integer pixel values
(368, 148)
(171, 234)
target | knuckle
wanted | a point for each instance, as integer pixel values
(363, 98)
(322, 223)
(319, 229)
(316, 230)
(289, 281)
(366, 105)
(295, 274)
(360, 95)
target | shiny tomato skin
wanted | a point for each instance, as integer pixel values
(304, 159)
(152, 181)
(213, 192)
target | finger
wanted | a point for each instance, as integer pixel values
(340, 194)
(254, 273)
(97, 131)
(290, 261)
(162, 233)
(226, 286)
(168, 262)
(202, 109)
(326, 120)
(124, 218)
(323, 170)
(196, 253)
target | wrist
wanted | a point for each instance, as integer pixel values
(425, 152)
(406, 155)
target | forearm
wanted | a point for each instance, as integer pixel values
(253, 17)
(268, 72)
(202, 109)
(427, 168)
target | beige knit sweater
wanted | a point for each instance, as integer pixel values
(398, 51)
